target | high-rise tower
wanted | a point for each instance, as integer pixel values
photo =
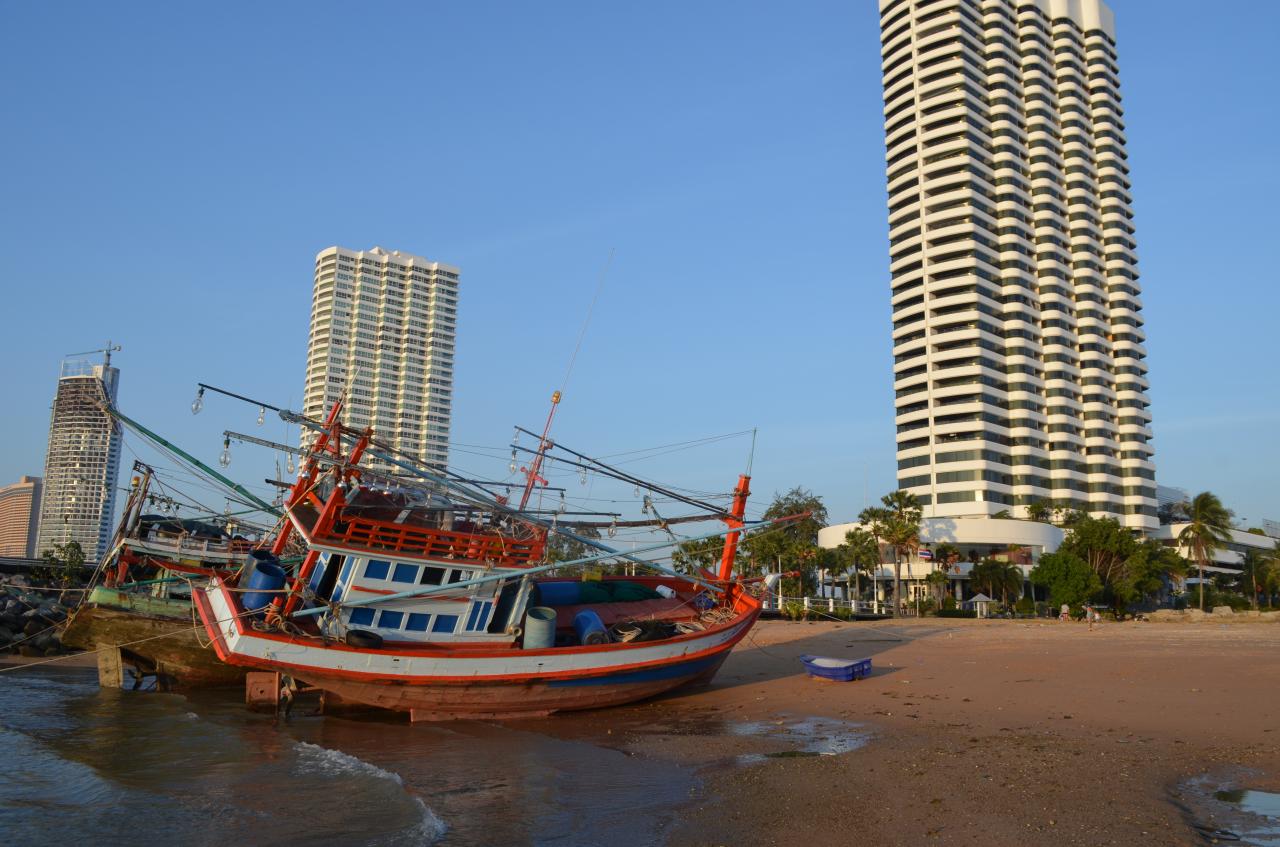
(82, 462)
(383, 329)
(1019, 372)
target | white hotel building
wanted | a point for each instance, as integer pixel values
(1019, 372)
(383, 327)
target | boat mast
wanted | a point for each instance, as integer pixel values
(544, 443)
(734, 520)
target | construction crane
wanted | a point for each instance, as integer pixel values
(106, 351)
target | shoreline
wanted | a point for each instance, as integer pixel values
(1028, 732)
(65, 660)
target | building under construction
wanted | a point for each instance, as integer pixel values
(83, 460)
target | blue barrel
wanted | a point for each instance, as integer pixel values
(560, 593)
(262, 585)
(539, 628)
(590, 628)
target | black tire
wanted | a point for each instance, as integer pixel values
(364, 639)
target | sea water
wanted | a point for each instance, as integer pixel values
(80, 764)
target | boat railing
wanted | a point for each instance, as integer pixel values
(415, 541)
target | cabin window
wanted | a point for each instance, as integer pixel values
(432, 576)
(361, 617)
(388, 619)
(377, 569)
(417, 622)
(478, 616)
(445, 623)
(405, 573)
(459, 576)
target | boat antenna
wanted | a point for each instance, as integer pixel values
(532, 477)
(751, 457)
(582, 333)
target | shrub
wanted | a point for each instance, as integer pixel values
(957, 613)
(948, 603)
(1025, 606)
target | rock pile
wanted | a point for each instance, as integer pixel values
(31, 620)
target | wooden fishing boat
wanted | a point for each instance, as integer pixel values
(147, 625)
(442, 608)
(150, 635)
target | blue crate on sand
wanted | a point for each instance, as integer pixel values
(840, 670)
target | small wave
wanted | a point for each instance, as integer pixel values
(429, 828)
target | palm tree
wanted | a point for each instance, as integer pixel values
(902, 530)
(1253, 567)
(875, 520)
(1039, 511)
(862, 553)
(945, 555)
(1207, 529)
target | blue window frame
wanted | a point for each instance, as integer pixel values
(388, 619)
(318, 574)
(479, 613)
(405, 573)
(361, 617)
(376, 569)
(445, 623)
(417, 622)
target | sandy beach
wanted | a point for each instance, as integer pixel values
(992, 732)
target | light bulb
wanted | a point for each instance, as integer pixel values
(647, 506)
(289, 464)
(224, 458)
(198, 403)
(637, 491)
(562, 504)
(512, 467)
(582, 476)
(613, 528)
(262, 415)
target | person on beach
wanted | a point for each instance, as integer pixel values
(1089, 615)
(1065, 613)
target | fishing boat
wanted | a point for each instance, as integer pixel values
(137, 616)
(442, 605)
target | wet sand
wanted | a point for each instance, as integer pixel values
(991, 732)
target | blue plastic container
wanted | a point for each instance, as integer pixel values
(263, 584)
(840, 670)
(590, 628)
(560, 593)
(539, 628)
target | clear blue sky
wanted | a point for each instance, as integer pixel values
(170, 171)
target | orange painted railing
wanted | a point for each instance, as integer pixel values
(417, 542)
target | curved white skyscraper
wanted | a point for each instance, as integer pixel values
(1019, 370)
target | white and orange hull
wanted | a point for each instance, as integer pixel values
(433, 682)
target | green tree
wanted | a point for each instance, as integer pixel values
(902, 516)
(63, 564)
(1067, 577)
(996, 579)
(1039, 511)
(795, 544)
(705, 553)
(1271, 575)
(860, 553)
(1255, 567)
(1208, 528)
(1103, 544)
(1144, 573)
(561, 548)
